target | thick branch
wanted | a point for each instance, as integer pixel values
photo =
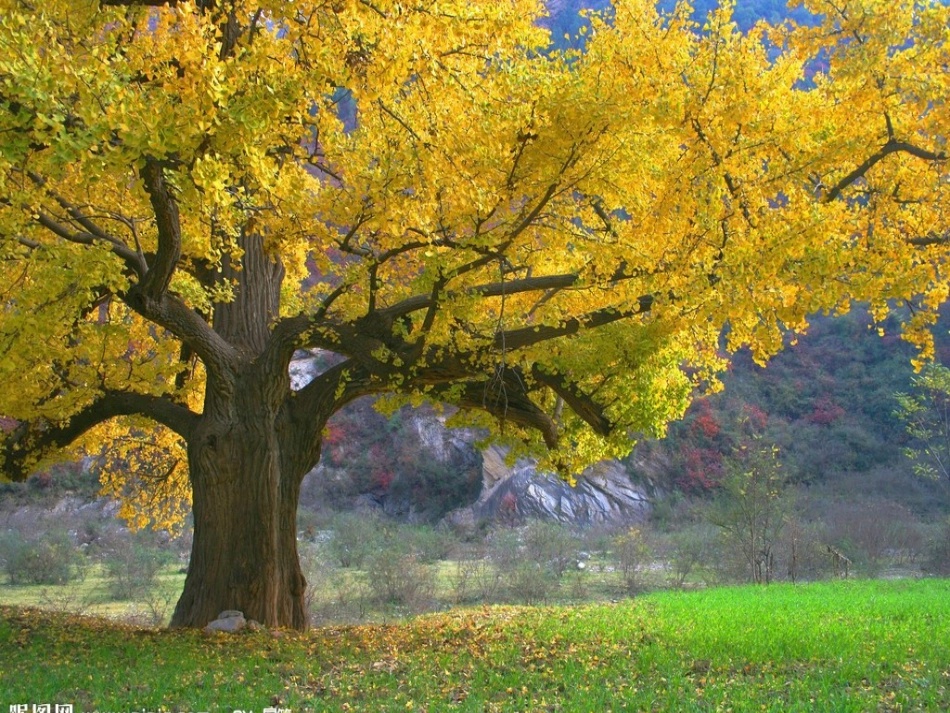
(528, 336)
(312, 406)
(159, 276)
(930, 239)
(580, 403)
(891, 146)
(29, 441)
(173, 314)
(201, 4)
(494, 289)
(506, 398)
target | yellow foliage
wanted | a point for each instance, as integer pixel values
(695, 186)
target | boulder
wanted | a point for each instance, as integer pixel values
(229, 621)
(604, 494)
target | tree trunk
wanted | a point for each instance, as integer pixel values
(244, 554)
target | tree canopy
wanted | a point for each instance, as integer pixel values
(191, 191)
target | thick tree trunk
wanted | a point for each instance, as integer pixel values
(244, 554)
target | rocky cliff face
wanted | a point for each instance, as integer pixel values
(604, 494)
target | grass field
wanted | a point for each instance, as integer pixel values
(91, 595)
(837, 647)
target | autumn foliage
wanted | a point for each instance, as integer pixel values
(555, 239)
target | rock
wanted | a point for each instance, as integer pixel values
(230, 621)
(304, 368)
(604, 494)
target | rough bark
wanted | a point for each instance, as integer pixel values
(244, 554)
(245, 473)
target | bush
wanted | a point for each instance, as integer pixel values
(631, 553)
(396, 576)
(531, 562)
(874, 533)
(427, 543)
(692, 549)
(938, 559)
(550, 546)
(50, 558)
(475, 578)
(355, 538)
(132, 566)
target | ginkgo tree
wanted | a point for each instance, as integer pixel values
(557, 244)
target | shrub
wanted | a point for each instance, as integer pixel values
(938, 559)
(631, 554)
(474, 578)
(396, 576)
(355, 537)
(428, 544)
(50, 558)
(550, 546)
(691, 550)
(132, 565)
(531, 562)
(874, 532)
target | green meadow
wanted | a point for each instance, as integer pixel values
(839, 646)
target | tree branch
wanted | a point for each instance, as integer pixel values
(580, 403)
(506, 398)
(494, 289)
(889, 147)
(129, 257)
(29, 441)
(312, 406)
(529, 336)
(160, 273)
(930, 239)
(173, 314)
(94, 233)
(201, 4)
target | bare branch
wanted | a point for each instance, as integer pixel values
(131, 259)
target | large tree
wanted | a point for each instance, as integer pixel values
(192, 191)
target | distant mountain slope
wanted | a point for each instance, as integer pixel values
(827, 401)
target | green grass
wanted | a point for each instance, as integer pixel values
(843, 646)
(91, 595)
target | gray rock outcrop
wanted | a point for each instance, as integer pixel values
(604, 494)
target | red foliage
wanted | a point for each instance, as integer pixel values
(825, 412)
(334, 435)
(702, 469)
(382, 478)
(756, 417)
(707, 424)
(508, 508)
